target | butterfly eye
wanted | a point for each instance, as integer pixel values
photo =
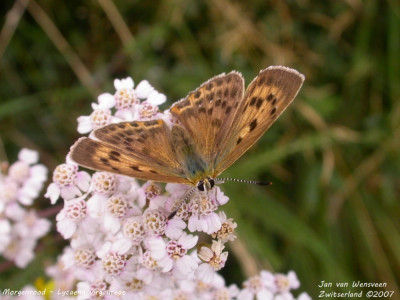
(205, 184)
(211, 181)
(200, 185)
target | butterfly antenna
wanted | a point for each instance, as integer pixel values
(184, 199)
(222, 180)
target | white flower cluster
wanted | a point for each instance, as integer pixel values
(124, 244)
(20, 227)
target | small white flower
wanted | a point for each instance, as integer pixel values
(31, 226)
(226, 232)
(255, 287)
(173, 254)
(285, 283)
(114, 263)
(126, 83)
(9, 190)
(156, 98)
(105, 101)
(304, 296)
(32, 186)
(155, 222)
(73, 214)
(19, 171)
(103, 183)
(67, 183)
(214, 260)
(28, 156)
(20, 250)
(5, 234)
(175, 228)
(133, 229)
(125, 98)
(143, 89)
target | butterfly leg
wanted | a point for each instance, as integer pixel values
(178, 204)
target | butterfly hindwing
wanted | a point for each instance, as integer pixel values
(141, 149)
(267, 96)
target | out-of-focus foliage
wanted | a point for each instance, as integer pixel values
(333, 212)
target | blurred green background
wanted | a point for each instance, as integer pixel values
(333, 212)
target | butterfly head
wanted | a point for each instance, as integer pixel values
(205, 184)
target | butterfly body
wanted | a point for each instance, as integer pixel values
(194, 166)
(217, 123)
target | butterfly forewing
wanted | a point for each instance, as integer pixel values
(138, 149)
(265, 99)
(207, 113)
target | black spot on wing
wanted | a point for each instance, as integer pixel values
(261, 81)
(226, 92)
(216, 122)
(210, 96)
(180, 105)
(259, 103)
(104, 161)
(114, 158)
(150, 123)
(253, 125)
(273, 111)
(234, 91)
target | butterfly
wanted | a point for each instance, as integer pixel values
(217, 123)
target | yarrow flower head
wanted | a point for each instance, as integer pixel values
(68, 183)
(269, 286)
(20, 226)
(142, 239)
